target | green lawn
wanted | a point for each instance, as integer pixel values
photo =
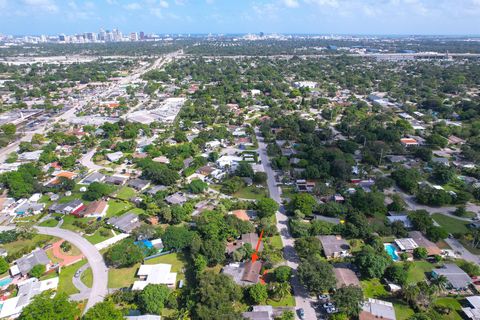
(65, 284)
(87, 277)
(177, 260)
(251, 192)
(453, 304)
(49, 223)
(417, 271)
(97, 237)
(276, 242)
(374, 289)
(126, 193)
(37, 240)
(288, 301)
(122, 277)
(402, 310)
(116, 208)
(68, 222)
(452, 225)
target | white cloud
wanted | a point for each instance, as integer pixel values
(291, 3)
(133, 6)
(42, 5)
(164, 4)
(210, 1)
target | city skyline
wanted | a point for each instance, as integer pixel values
(362, 17)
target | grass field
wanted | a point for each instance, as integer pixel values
(116, 208)
(49, 223)
(402, 310)
(87, 277)
(453, 304)
(276, 242)
(68, 222)
(126, 193)
(65, 284)
(288, 301)
(251, 192)
(374, 289)
(122, 277)
(38, 240)
(97, 237)
(452, 225)
(417, 271)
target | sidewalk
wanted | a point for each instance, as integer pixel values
(107, 243)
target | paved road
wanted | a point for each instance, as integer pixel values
(465, 254)
(95, 260)
(77, 282)
(86, 161)
(302, 298)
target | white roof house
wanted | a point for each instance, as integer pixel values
(230, 161)
(406, 244)
(155, 274)
(473, 309)
(115, 156)
(27, 289)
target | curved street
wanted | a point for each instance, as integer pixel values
(95, 260)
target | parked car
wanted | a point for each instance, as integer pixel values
(301, 313)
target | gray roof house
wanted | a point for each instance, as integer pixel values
(24, 264)
(334, 246)
(176, 198)
(115, 156)
(457, 278)
(126, 222)
(93, 177)
(259, 313)
(138, 184)
(443, 161)
(377, 309)
(400, 216)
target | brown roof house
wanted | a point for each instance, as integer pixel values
(251, 238)
(345, 275)
(96, 209)
(334, 247)
(421, 241)
(244, 273)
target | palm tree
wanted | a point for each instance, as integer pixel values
(280, 289)
(439, 283)
(410, 293)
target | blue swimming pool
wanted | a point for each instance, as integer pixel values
(391, 250)
(5, 281)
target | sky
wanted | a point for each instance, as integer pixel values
(429, 17)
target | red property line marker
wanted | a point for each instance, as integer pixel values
(255, 254)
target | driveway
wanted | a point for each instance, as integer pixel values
(95, 260)
(302, 298)
(464, 253)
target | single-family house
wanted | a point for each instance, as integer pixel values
(374, 309)
(472, 309)
(116, 180)
(138, 184)
(114, 156)
(419, 238)
(93, 177)
(406, 244)
(345, 275)
(456, 277)
(259, 313)
(244, 273)
(176, 198)
(399, 217)
(409, 142)
(334, 246)
(27, 290)
(155, 274)
(23, 265)
(305, 185)
(96, 209)
(73, 207)
(126, 222)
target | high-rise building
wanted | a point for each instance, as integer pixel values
(133, 36)
(142, 35)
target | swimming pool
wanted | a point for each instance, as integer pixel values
(5, 281)
(392, 251)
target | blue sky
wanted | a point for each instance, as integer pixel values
(242, 16)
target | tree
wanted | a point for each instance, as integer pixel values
(283, 273)
(104, 310)
(152, 298)
(436, 234)
(214, 251)
(44, 307)
(443, 174)
(197, 186)
(397, 204)
(371, 263)
(97, 190)
(279, 290)
(316, 275)
(307, 247)
(304, 202)
(8, 129)
(471, 268)
(37, 271)
(245, 170)
(258, 293)
(266, 207)
(260, 177)
(177, 238)
(4, 266)
(216, 295)
(396, 273)
(348, 300)
(420, 253)
(407, 179)
(288, 315)
(124, 254)
(421, 220)
(66, 246)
